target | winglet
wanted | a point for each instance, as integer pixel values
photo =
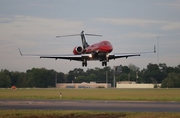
(154, 48)
(20, 52)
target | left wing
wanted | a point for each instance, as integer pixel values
(126, 55)
(122, 55)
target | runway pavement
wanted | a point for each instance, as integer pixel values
(118, 106)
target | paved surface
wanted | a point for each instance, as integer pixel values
(118, 106)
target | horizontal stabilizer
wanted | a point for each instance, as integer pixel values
(93, 35)
(78, 35)
(68, 35)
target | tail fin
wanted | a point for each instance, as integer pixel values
(84, 43)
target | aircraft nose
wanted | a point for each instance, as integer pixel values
(107, 48)
(110, 48)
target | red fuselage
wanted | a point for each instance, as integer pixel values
(102, 47)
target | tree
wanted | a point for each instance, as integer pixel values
(163, 67)
(172, 81)
(169, 76)
(153, 71)
(80, 79)
(41, 77)
(126, 69)
(93, 77)
(122, 77)
(60, 77)
(133, 68)
(74, 74)
(133, 72)
(5, 80)
(21, 80)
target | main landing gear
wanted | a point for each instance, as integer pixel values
(104, 63)
(84, 63)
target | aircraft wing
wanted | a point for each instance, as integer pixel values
(122, 55)
(81, 57)
(61, 56)
(87, 56)
(126, 55)
(67, 57)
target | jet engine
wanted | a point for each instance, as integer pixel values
(78, 50)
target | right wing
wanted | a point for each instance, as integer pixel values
(65, 56)
(62, 56)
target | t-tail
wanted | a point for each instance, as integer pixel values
(83, 39)
(84, 42)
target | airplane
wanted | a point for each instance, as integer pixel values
(100, 51)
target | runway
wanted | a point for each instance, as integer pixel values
(116, 106)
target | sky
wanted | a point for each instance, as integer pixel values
(130, 25)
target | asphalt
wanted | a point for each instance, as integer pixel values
(117, 106)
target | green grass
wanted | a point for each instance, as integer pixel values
(94, 94)
(89, 94)
(81, 114)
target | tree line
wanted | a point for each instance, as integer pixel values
(43, 78)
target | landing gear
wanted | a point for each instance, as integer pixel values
(84, 63)
(104, 63)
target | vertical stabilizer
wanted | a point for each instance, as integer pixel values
(84, 43)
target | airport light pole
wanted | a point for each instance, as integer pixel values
(56, 80)
(158, 50)
(106, 77)
(114, 76)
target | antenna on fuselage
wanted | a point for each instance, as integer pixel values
(83, 39)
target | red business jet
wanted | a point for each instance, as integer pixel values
(99, 51)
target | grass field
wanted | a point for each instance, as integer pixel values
(94, 94)
(81, 114)
(89, 94)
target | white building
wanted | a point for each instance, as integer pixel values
(131, 84)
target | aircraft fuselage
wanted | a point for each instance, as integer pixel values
(101, 47)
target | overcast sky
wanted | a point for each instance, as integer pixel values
(130, 25)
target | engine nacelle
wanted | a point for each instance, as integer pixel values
(78, 50)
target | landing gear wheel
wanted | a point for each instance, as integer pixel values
(84, 64)
(104, 63)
